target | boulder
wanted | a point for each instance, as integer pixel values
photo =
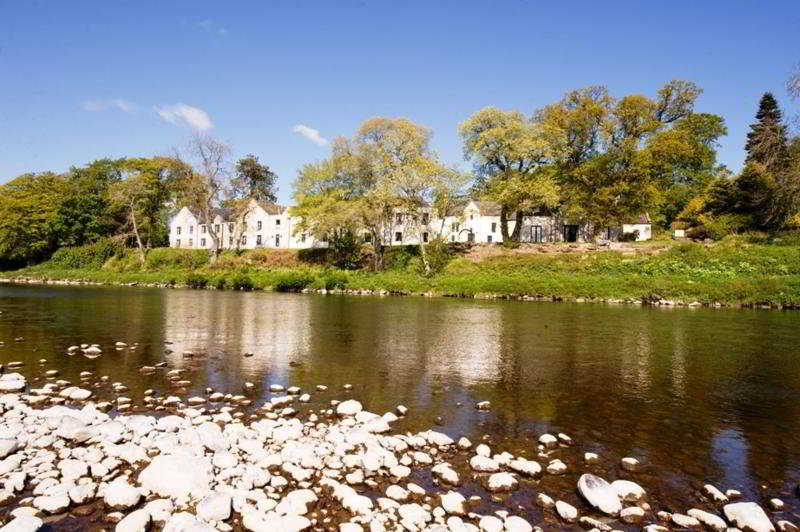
(350, 407)
(711, 521)
(748, 516)
(599, 494)
(177, 476)
(120, 495)
(12, 382)
(215, 507)
(453, 503)
(137, 521)
(23, 523)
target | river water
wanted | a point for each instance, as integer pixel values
(697, 395)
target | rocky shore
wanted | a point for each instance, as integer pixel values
(654, 302)
(222, 462)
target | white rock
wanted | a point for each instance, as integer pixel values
(526, 467)
(186, 522)
(350, 407)
(490, 523)
(120, 495)
(629, 464)
(51, 504)
(502, 482)
(556, 467)
(8, 446)
(453, 503)
(517, 524)
(23, 523)
(714, 494)
(413, 514)
(548, 440)
(632, 514)
(137, 521)
(176, 476)
(599, 494)
(748, 516)
(545, 501)
(710, 520)
(628, 491)
(483, 464)
(11, 382)
(215, 507)
(566, 511)
(685, 521)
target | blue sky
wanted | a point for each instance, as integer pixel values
(82, 80)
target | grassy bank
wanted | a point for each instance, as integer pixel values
(730, 272)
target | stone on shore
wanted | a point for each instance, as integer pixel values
(138, 521)
(566, 511)
(12, 382)
(215, 507)
(176, 476)
(748, 516)
(120, 495)
(714, 522)
(453, 503)
(351, 407)
(23, 523)
(599, 494)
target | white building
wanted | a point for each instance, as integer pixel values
(269, 225)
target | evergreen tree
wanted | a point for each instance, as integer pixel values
(767, 142)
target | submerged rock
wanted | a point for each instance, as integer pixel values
(748, 516)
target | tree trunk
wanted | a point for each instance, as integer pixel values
(515, 236)
(424, 257)
(136, 233)
(504, 224)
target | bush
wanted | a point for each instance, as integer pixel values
(220, 283)
(344, 250)
(293, 281)
(190, 259)
(399, 257)
(90, 256)
(333, 279)
(242, 282)
(629, 237)
(197, 281)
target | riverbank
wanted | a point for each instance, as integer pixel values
(85, 455)
(724, 274)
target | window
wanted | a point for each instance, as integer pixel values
(452, 238)
(367, 237)
(202, 242)
(258, 238)
(258, 228)
(277, 241)
(191, 229)
(398, 237)
(230, 228)
(179, 229)
(489, 239)
(454, 226)
(536, 233)
(277, 221)
(203, 229)
(424, 237)
(399, 218)
(470, 237)
(494, 227)
(303, 238)
(425, 217)
(178, 243)
(191, 242)
(244, 240)
(216, 228)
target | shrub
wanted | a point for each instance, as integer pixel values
(197, 281)
(439, 254)
(334, 279)
(89, 256)
(345, 250)
(190, 259)
(220, 283)
(399, 257)
(292, 281)
(242, 282)
(629, 237)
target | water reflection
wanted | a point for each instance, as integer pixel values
(707, 395)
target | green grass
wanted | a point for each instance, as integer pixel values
(735, 271)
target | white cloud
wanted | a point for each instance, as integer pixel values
(102, 105)
(311, 134)
(181, 113)
(208, 26)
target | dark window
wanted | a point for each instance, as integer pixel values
(230, 228)
(470, 237)
(452, 238)
(191, 242)
(570, 233)
(216, 228)
(179, 229)
(424, 237)
(303, 238)
(536, 233)
(399, 218)
(259, 225)
(367, 237)
(425, 217)
(203, 229)
(494, 227)
(398, 237)
(258, 239)
(230, 241)
(489, 239)
(244, 240)
(277, 241)
(191, 229)
(202, 242)
(454, 227)
(471, 216)
(178, 243)
(277, 221)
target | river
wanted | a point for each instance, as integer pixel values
(697, 395)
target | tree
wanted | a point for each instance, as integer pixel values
(767, 140)
(28, 209)
(508, 149)
(85, 213)
(254, 180)
(386, 168)
(203, 188)
(142, 194)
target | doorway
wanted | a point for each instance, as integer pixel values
(570, 233)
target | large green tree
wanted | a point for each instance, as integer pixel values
(255, 180)
(29, 207)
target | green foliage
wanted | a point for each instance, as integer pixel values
(254, 180)
(400, 257)
(166, 258)
(197, 281)
(439, 254)
(293, 281)
(344, 250)
(90, 256)
(242, 282)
